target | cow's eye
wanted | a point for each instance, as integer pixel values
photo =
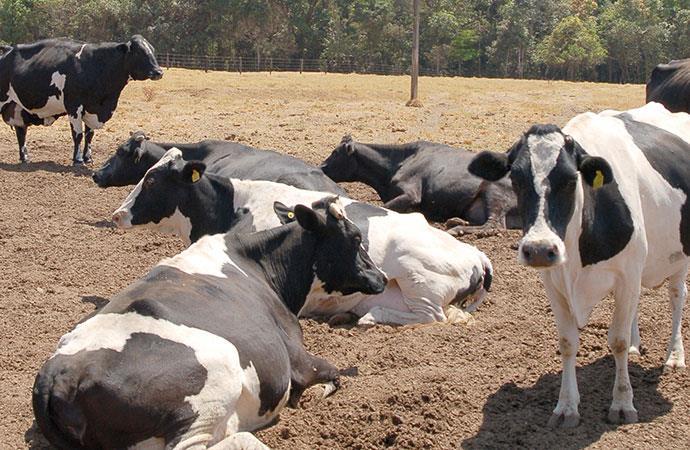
(149, 182)
(358, 240)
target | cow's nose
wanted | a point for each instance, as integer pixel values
(157, 74)
(540, 253)
(96, 177)
(119, 218)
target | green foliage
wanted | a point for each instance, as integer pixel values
(573, 46)
(613, 40)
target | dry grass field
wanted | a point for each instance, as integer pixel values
(490, 384)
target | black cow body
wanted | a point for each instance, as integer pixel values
(426, 177)
(206, 346)
(43, 81)
(670, 85)
(227, 159)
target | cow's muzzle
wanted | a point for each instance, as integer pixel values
(540, 254)
(156, 74)
(122, 218)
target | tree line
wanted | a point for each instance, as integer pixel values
(597, 40)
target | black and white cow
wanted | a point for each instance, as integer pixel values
(206, 347)
(229, 159)
(429, 271)
(669, 85)
(605, 208)
(426, 177)
(42, 81)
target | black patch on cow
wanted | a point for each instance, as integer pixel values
(606, 224)
(522, 180)
(670, 156)
(361, 214)
(115, 391)
(560, 199)
(669, 85)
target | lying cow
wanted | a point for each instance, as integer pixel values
(42, 81)
(133, 158)
(426, 177)
(604, 205)
(669, 85)
(429, 271)
(206, 347)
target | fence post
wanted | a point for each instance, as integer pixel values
(240, 67)
(270, 67)
(301, 65)
(167, 60)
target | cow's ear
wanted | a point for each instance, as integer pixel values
(124, 47)
(596, 171)
(491, 166)
(285, 213)
(309, 219)
(192, 171)
(350, 148)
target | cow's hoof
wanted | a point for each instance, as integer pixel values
(88, 160)
(562, 420)
(25, 160)
(617, 416)
(674, 362)
(342, 319)
(78, 162)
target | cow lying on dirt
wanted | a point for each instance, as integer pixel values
(206, 347)
(429, 272)
(229, 159)
(426, 177)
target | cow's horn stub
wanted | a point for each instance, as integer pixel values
(346, 139)
(336, 209)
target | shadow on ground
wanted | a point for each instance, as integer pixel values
(47, 166)
(516, 417)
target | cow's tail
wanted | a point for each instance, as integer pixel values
(57, 416)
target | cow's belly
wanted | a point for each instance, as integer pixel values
(391, 298)
(54, 106)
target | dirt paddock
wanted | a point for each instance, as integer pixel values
(491, 384)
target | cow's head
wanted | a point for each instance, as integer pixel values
(341, 262)
(545, 169)
(140, 60)
(129, 163)
(342, 164)
(157, 200)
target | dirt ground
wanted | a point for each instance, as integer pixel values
(491, 384)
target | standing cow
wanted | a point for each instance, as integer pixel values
(604, 203)
(42, 81)
(670, 85)
(426, 177)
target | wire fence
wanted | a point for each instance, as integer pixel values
(272, 64)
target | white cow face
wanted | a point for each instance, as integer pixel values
(545, 168)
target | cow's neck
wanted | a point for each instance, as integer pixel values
(208, 206)
(112, 65)
(377, 164)
(286, 257)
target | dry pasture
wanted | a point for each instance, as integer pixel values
(491, 384)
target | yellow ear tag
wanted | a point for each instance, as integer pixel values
(291, 215)
(598, 180)
(195, 176)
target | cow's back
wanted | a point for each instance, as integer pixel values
(649, 151)
(669, 84)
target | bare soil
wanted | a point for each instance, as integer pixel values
(490, 384)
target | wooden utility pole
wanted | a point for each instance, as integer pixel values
(414, 101)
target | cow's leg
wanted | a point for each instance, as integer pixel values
(635, 336)
(75, 124)
(408, 201)
(677, 291)
(240, 441)
(380, 314)
(566, 413)
(626, 299)
(21, 140)
(88, 136)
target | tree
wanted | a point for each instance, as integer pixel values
(573, 46)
